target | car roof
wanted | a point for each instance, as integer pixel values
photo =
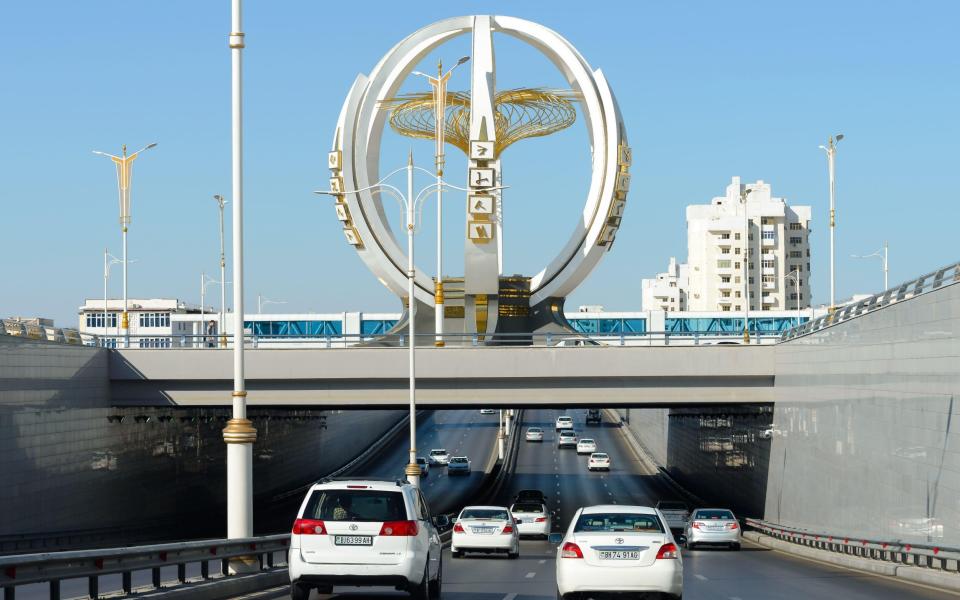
(587, 440)
(565, 417)
(452, 457)
(618, 508)
(485, 507)
(702, 508)
(438, 450)
(599, 454)
(371, 484)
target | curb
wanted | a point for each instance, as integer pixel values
(220, 589)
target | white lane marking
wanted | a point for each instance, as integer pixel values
(531, 575)
(509, 597)
(542, 561)
(699, 576)
(735, 598)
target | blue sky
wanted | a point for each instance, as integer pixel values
(709, 90)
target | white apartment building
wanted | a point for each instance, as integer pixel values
(152, 320)
(759, 247)
(667, 291)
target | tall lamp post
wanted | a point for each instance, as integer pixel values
(439, 85)
(746, 266)
(124, 164)
(831, 150)
(223, 275)
(410, 203)
(882, 255)
(108, 261)
(239, 434)
(795, 276)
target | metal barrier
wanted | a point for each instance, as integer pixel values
(948, 275)
(54, 567)
(455, 340)
(897, 551)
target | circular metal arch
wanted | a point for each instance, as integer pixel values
(360, 129)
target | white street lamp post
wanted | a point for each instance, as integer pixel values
(108, 261)
(409, 202)
(261, 303)
(746, 266)
(239, 434)
(223, 276)
(205, 280)
(124, 166)
(439, 85)
(882, 255)
(795, 275)
(831, 150)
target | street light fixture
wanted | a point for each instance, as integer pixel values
(409, 203)
(439, 85)
(795, 275)
(221, 202)
(831, 150)
(108, 261)
(261, 302)
(206, 280)
(746, 266)
(882, 255)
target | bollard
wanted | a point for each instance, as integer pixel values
(182, 572)
(127, 583)
(93, 587)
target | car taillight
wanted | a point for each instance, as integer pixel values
(571, 550)
(695, 524)
(733, 526)
(540, 520)
(399, 528)
(507, 529)
(668, 551)
(458, 528)
(309, 527)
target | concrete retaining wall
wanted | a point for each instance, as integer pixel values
(39, 373)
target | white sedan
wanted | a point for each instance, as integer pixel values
(533, 518)
(485, 529)
(598, 461)
(439, 456)
(617, 548)
(534, 434)
(586, 446)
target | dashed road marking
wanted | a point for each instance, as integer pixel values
(541, 561)
(509, 597)
(735, 598)
(531, 575)
(699, 576)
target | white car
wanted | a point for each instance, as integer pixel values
(439, 456)
(533, 518)
(365, 533)
(567, 438)
(564, 422)
(715, 526)
(534, 434)
(487, 411)
(586, 446)
(458, 465)
(485, 529)
(424, 465)
(598, 461)
(618, 548)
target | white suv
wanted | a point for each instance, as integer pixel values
(365, 533)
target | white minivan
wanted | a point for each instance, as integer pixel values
(365, 533)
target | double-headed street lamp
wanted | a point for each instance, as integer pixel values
(882, 255)
(261, 302)
(746, 266)
(439, 85)
(410, 204)
(124, 164)
(221, 202)
(831, 150)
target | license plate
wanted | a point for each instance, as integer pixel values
(519, 521)
(353, 540)
(619, 555)
(482, 530)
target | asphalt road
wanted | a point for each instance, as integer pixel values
(754, 573)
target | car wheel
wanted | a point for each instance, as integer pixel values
(735, 546)
(437, 583)
(514, 555)
(456, 553)
(298, 591)
(422, 591)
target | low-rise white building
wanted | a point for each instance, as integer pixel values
(152, 321)
(668, 290)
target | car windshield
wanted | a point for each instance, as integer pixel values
(355, 505)
(484, 514)
(668, 505)
(437, 452)
(618, 522)
(421, 460)
(599, 455)
(527, 507)
(564, 418)
(713, 514)
(567, 433)
(458, 459)
(535, 430)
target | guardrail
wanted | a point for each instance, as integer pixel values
(897, 551)
(455, 340)
(948, 275)
(55, 567)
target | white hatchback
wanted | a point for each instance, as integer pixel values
(485, 529)
(365, 533)
(618, 548)
(586, 446)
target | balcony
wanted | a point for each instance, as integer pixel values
(769, 285)
(769, 299)
(769, 243)
(769, 271)
(725, 300)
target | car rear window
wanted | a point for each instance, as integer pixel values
(437, 452)
(598, 455)
(642, 523)
(713, 514)
(458, 459)
(669, 505)
(355, 505)
(587, 441)
(567, 433)
(528, 507)
(484, 514)
(535, 430)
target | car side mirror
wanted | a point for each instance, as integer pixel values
(682, 539)
(555, 538)
(441, 521)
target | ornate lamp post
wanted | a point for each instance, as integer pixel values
(439, 85)
(124, 166)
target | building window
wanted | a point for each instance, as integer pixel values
(736, 279)
(768, 235)
(737, 307)
(726, 308)
(738, 294)
(796, 240)
(725, 279)
(769, 264)
(765, 221)
(736, 236)
(751, 266)
(724, 236)
(724, 294)
(737, 250)
(751, 280)
(808, 266)
(796, 227)
(725, 264)
(727, 250)
(796, 254)
(750, 237)
(801, 295)
(736, 265)
(95, 319)
(154, 319)
(769, 279)
(154, 342)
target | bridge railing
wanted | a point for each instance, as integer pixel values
(948, 275)
(895, 551)
(56, 567)
(461, 340)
